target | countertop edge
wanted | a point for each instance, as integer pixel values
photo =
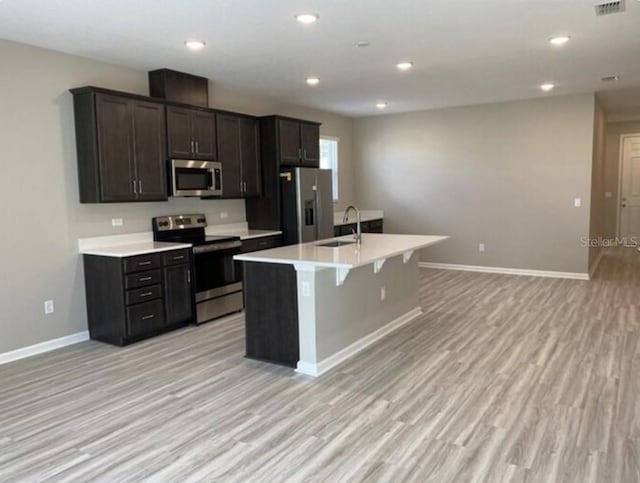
(132, 252)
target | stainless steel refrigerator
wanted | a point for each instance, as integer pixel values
(307, 204)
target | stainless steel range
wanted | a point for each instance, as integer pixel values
(218, 288)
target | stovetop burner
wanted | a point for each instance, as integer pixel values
(185, 229)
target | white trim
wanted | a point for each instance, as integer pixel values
(319, 368)
(330, 138)
(506, 271)
(42, 347)
(594, 266)
(620, 168)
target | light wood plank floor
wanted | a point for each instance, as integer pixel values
(505, 378)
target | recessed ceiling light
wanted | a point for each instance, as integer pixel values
(381, 105)
(363, 43)
(194, 44)
(547, 86)
(307, 18)
(312, 81)
(610, 78)
(404, 65)
(559, 40)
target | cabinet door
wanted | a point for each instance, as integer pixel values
(250, 156)
(179, 140)
(115, 141)
(289, 141)
(177, 294)
(203, 132)
(149, 149)
(310, 142)
(229, 155)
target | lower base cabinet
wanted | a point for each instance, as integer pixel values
(132, 298)
(370, 226)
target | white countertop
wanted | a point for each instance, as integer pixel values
(374, 247)
(239, 229)
(365, 215)
(139, 248)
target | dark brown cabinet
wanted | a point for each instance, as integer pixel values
(297, 141)
(191, 133)
(238, 151)
(133, 298)
(370, 226)
(120, 143)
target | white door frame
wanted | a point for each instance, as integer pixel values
(620, 172)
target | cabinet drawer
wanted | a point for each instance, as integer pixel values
(142, 279)
(143, 294)
(144, 318)
(262, 243)
(175, 257)
(141, 262)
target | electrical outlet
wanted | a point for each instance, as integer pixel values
(48, 307)
(383, 293)
(224, 214)
(116, 222)
(306, 289)
(577, 202)
(608, 194)
(481, 247)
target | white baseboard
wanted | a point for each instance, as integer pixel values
(42, 347)
(319, 368)
(506, 271)
(594, 266)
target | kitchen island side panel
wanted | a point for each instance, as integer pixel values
(271, 313)
(338, 316)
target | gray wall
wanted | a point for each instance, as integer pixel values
(597, 226)
(501, 174)
(41, 216)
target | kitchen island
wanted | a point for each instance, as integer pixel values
(313, 305)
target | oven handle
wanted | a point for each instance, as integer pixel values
(216, 247)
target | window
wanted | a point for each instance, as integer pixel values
(329, 160)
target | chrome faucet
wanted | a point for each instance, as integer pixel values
(356, 234)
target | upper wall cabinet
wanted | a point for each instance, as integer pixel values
(297, 142)
(238, 151)
(120, 142)
(191, 133)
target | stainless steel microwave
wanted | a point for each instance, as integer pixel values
(195, 178)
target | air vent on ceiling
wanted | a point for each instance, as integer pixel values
(607, 8)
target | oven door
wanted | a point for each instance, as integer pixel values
(216, 273)
(195, 178)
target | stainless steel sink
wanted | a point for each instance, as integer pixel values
(336, 243)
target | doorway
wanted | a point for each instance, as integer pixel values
(629, 192)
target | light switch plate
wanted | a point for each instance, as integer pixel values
(306, 289)
(224, 214)
(48, 307)
(481, 247)
(116, 222)
(577, 202)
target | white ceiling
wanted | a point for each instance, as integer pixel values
(465, 51)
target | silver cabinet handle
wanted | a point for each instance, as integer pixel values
(147, 317)
(135, 189)
(197, 148)
(305, 154)
(146, 294)
(144, 263)
(181, 257)
(188, 276)
(244, 186)
(299, 153)
(139, 186)
(193, 149)
(144, 279)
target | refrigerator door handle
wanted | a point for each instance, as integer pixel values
(318, 210)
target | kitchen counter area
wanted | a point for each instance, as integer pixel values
(312, 307)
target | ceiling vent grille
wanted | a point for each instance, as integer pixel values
(607, 8)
